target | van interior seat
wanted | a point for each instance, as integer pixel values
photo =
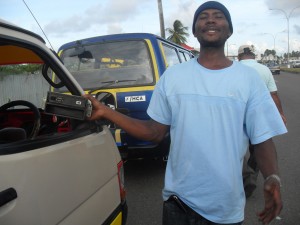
(12, 134)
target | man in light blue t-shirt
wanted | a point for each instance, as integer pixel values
(246, 55)
(212, 107)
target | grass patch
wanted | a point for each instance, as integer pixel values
(291, 70)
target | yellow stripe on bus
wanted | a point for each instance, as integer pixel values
(118, 135)
(117, 220)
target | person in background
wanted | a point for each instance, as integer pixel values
(246, 55)
(212, 106)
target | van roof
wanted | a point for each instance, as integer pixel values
(6, 24)
(115, 37)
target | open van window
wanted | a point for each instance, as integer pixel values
(121, 64)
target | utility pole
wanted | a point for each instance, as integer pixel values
(287, 16)
(161, 19)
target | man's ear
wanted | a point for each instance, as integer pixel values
(228, 35)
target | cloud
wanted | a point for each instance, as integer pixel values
(297, 28)
(114, 28)
(183, 11)
(109, 16)
(285, 5)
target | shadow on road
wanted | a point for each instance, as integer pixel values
(144, 182)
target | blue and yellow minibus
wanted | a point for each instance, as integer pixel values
(121, 70)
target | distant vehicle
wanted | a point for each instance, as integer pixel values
(296, 64)
(53, 169)
(124, 68)
(275, 68)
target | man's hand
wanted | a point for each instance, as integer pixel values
(273, 203)
(98, 108)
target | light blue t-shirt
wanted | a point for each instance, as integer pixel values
(263, 71)
(211, 114)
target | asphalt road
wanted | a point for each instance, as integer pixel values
(144, 178)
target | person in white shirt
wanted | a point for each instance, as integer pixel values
(246, 55)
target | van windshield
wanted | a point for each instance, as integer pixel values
(110, 64)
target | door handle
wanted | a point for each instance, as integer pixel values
(7, 196)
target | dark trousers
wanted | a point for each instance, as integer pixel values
(175, 212)
(252, 161)
(250, 172)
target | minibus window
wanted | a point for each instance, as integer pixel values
(119, 63)
(171, 55)
(182, 56)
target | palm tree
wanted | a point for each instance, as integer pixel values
(178, 33)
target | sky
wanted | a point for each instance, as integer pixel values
(68, 20)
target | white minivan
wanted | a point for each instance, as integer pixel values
(296, 64)
(56, 167)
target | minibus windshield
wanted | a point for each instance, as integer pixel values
(110, 64)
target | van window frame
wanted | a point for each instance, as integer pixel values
(183, 54)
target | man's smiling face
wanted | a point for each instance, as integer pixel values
(212, 28)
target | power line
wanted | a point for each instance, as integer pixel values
(38, 24)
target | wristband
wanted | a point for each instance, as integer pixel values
(274, 176)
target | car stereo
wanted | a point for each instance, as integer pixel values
(70, 106)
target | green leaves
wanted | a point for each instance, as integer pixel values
(178, 33)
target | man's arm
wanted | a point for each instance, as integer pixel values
(148, 130)
(266, 158)
(277, 101)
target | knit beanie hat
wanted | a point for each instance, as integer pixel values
(213, 5)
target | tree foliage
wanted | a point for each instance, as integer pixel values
(269, 52)
(178, 34)
(21, 69)
(295, 54)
